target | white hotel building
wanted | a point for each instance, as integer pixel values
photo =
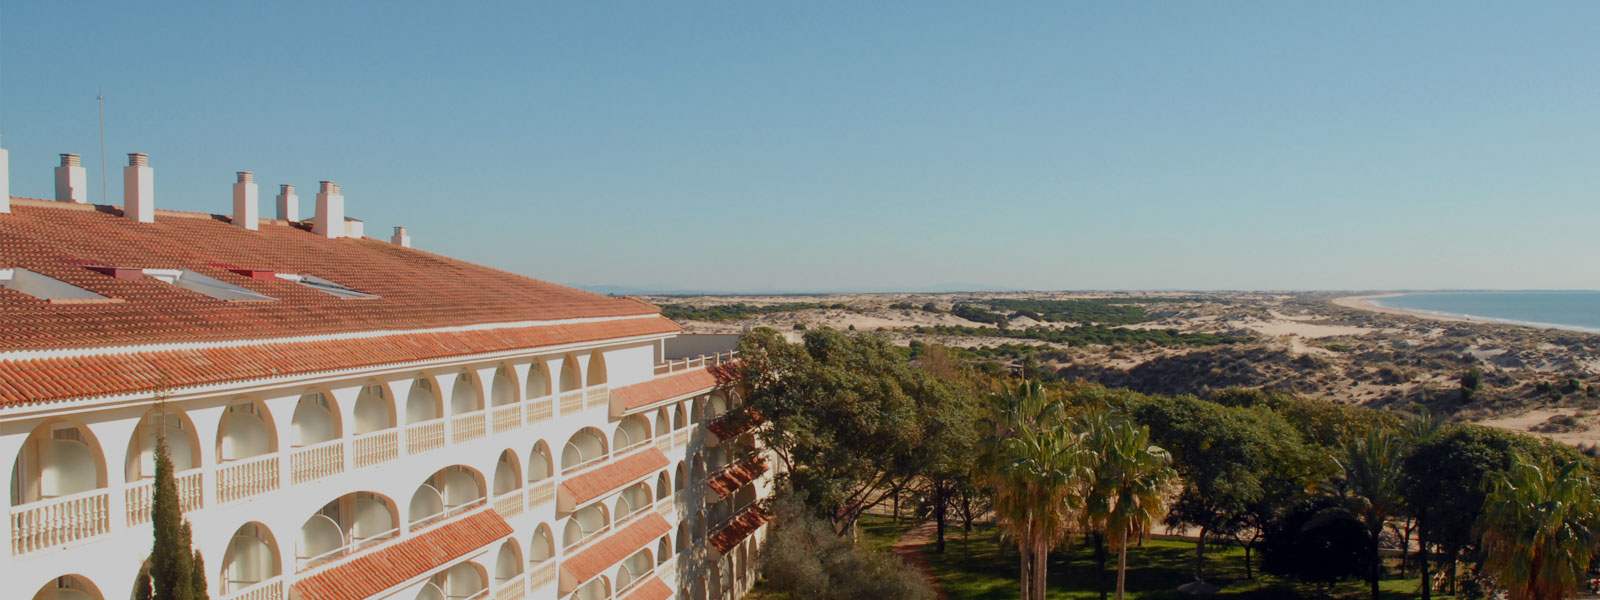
(350, 417)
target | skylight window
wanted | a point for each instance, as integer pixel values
(201, 284)
(42, 287)
(324, 286)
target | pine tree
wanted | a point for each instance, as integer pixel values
(175, 572)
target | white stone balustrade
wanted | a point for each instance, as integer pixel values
(377, 447)
(141, 496)
(425, 436)
(315, 462)
(242, 479)
(515, 588)
(467, 427)
(39, 525)
(506, 418)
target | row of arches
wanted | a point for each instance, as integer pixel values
(62, 457)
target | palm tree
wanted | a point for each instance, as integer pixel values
(1037, 469)
(1371, 489)
(1539, 528)
(1130, 484)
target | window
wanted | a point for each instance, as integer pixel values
(43, 288)
(324, 286)
(201, 284)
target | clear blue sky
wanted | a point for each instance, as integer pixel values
(739, 145)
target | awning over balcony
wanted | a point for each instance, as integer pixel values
(652, 589)
(605, 479)
(639, 397)
(734, 424)
(739, 528)
(615, 547)
(735, 477)
(368, 574)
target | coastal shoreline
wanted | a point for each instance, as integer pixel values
(1366, 302)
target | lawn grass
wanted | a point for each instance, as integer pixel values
(1154, 570)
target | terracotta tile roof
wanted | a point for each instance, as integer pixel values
(734, 423)
(739, 528)
(596, 483)
(652, 589)
(676, 385)
(39, 380)
(369, 574)
(735, 477)
(616, 547)
(416, 289)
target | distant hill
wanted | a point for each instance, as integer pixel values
(667, 290)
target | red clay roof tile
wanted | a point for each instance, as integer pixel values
(735, 477)
(602, 480)
(661, 389)
(616, 547)
(739, 528)
(416, 289)
(369, 574)
(652, 589)
(39, 380)
(734, 423)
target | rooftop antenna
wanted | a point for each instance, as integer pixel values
(102, 98)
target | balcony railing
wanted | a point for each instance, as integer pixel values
(571, 403)
(467, 427)
(515, 588)
(425, 436)
(39, 525)
(482, 594)
(664, 507)
(271, 589)
(707, 360)
(664, 443)
(449, 511)
(377, 447)
(541, 493)
(597, 396)
(541, 409)
(141, 496)
(507, 418)
(351, 545)
(543, 574)
(315, 462)
(245, 478)
(510, 504)
(680, 438)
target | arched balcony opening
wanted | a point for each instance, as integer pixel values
(664, 549)
(585, 523)
(634, 568)
(597, 589)
(725, 576)
(59, 459)
(542, 547)
(744, 497)
(663, 422)
(503, 390)
(699, 408)
(700, 525)
(538, 380)
(245, 432)
(430, 591)
(315, 421)
(597, 369)
(181, 445)
(508, 564)
(465, 397)
(716, 458)
(698, 468)
(663, 486)
(571, 374)
(718, 406)
(444, 494)
(252, 558)
(69, 587)
(507, 473)
(539, 463)
(717, 587)
(720, 512)
(585, 448)
(374, 410)
(422, 404)
(683, 536)
(633, 432)
(632, 500)
(465, 580)
(345, 525)
(699, 590)
(680, 477)
(680, 417)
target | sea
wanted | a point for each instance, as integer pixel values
(1576, 310)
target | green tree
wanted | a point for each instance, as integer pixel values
(1038, 468)
(1129, 485)
(1371, 490)
(175, 571)
(1539, 528)
(806, 559)
(1315, 541)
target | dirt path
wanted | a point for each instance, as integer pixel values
(909, 548)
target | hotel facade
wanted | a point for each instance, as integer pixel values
(350, 417)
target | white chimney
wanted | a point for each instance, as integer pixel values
(72, 185)
(288, 204)
(139, 189)
(330, 211)
(5, 181)
(246, 209)
(400, 238)
(355, 228)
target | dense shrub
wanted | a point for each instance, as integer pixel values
(805, 559)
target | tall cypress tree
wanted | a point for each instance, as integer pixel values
(175, 571)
